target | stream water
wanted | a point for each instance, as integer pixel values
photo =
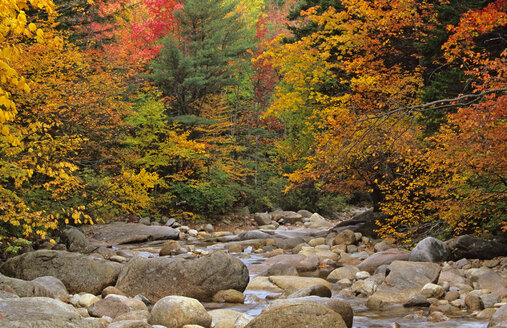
(256, 300)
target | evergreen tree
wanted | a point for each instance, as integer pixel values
(203, 55)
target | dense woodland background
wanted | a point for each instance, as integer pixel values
(197, 108)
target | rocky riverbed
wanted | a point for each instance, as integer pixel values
(291, 270)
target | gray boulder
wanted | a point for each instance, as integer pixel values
(429, 250)
(25, 288)
(286, 217)
(198, 278)
(262, 218)
(117, 233)
(75, 240)
(372, 262)
(499, 319)
(78, 272)
(115, 305)
(42, 312)
(472, 247)
(299, 315)
(404, 280)
(55, 286)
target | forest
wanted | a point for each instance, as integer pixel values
(196, 109)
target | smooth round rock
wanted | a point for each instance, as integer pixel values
(177, 311)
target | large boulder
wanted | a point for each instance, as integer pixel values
(299, 315)
(75, 240)
(117, 233)
(198, 278)
(262, 218)
(25, 288)
(78, 272)
(177, 311)
(339, 306)
(404, 280)
(55, 286)
(372, 262)
(115, 305)
(286, 217)
(430, 250)
(318, 222)
(472, 247)
(292, 284)
(499, 319)
(494, 282)
(42, 312)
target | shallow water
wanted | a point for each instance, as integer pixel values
(256, 300)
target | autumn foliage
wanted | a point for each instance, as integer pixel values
(193, 109)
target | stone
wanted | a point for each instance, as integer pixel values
(55, 286)
(234, 248)
(472, 247)
(264, 284)
(351, 248)
(437, 316)
(473, 302)
(86, 300)
(365, 287)
(111, 290)
(493, 281)
(432, 290)
(170, 247)
(287, 217)
(129, 324)
(498, 320)
(24, 288)
(417, 300)
(280, 269)
(289, 243)
(253, 234)
(452, 295)
(298, 315)
(362, 275)
(317, 241)
(42, 312)
(115, 305)
(199, 278)
(339, 306)
(78, 272)
(345, 272)
(145, 220)
(262, 218)
(404, 280)
(228, 296)
(382, 246)
(372, 262)
(318, 222)
(118, 233)
(486, 313)
(177, 311)
(75, 240)
(138, 315)
(305, 213)
(489, 300)
(429, 250)
(315, 290)
(453, 277)
(225, 318)
(346, 237)
(291, 284)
